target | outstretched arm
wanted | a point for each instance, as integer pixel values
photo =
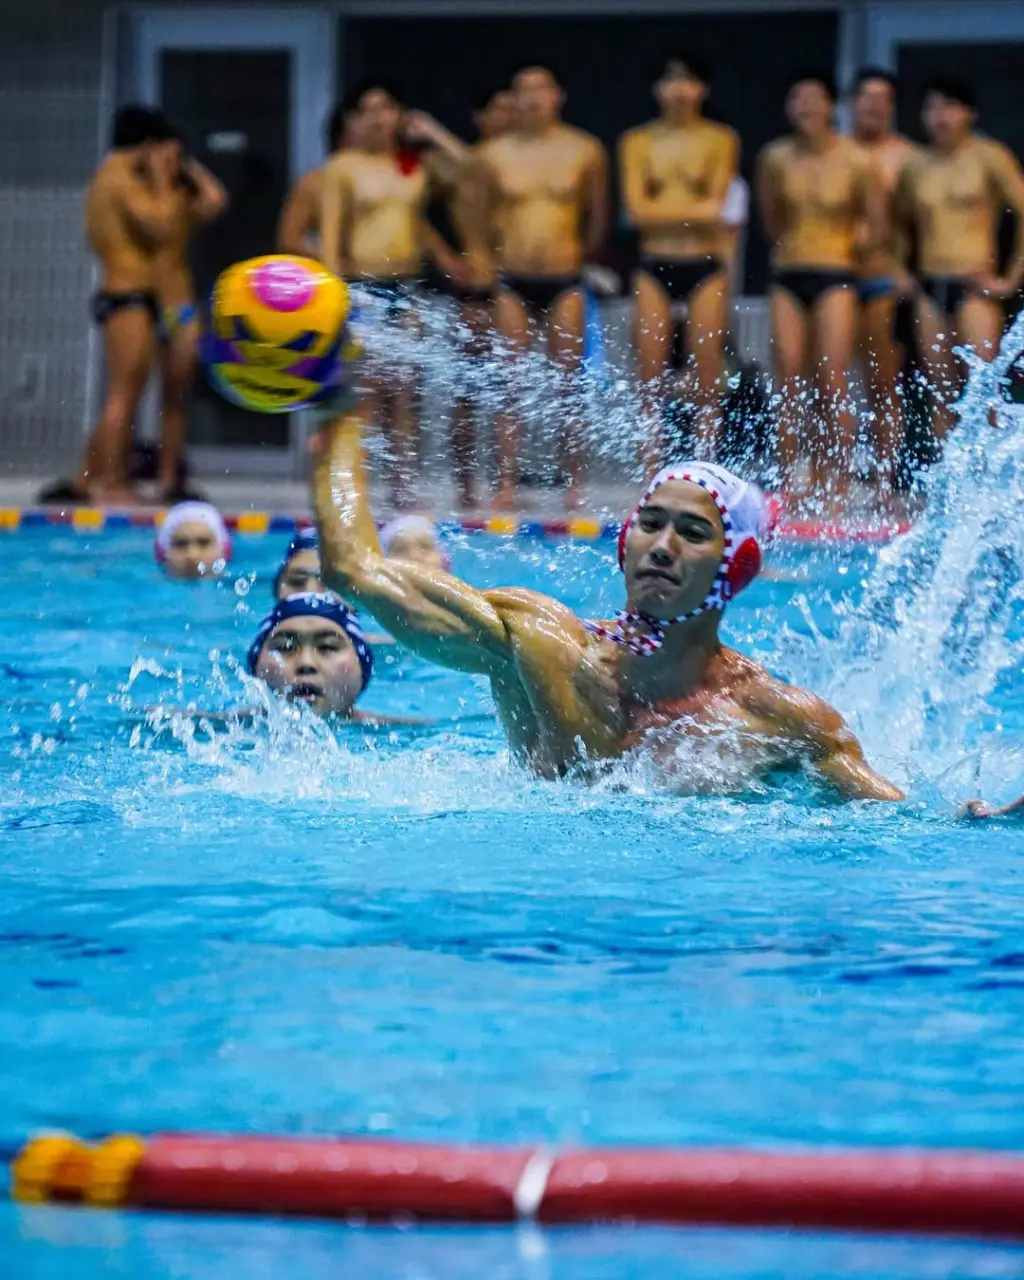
(979, 809)
(432, 613)
(818, 728)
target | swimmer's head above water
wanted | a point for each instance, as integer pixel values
(311, 648)
(193, 541)
(693, 543)
(413, 539)
(300, 569)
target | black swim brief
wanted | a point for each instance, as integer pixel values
(949, 293)
(106, 304)
(809, 287)
(540, 293)
(679, 277)
(435, 281)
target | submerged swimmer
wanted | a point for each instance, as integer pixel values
(193, 541)
(568, 693)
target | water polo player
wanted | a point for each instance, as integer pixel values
(413, 538)
(193, 541)
(300, 569)
(655, 678)
(310, 648)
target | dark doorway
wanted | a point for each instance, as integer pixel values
(234, 108)
(607, 66)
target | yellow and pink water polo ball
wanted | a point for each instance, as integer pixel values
(278, 338)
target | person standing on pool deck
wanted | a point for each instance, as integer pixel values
(131, 209)
(569, 693)
(675, 176)
(819, 207)
(493, 118)
(545, 212)
(951, 196)
(298, 228)
(201, 199)
(883, 282)
(373, 232)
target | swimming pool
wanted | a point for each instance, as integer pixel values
(279, 930)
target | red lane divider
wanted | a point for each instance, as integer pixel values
(965, 1193)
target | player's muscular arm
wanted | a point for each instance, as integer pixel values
(812, 724)
(434, 614)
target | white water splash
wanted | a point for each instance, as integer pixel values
(917, 658)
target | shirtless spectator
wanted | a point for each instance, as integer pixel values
(819, 207)
(373, 232)
(676, 173)
(200, 200)
(545, 211)
(493, 117)
(132, 208)
(951, 196)
(298, 228)
(882, 283)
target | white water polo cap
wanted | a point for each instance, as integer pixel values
(745, 524)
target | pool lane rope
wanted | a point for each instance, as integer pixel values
(938, 1192)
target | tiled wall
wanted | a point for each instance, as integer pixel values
(50, 86)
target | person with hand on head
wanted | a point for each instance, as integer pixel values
(132, 211)
(201, 199)
(950, 197)
(544, 213)
(676, 174)
(656, 678)
(193, 542)
(820, 206)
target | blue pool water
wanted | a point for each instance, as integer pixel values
(280, 929)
